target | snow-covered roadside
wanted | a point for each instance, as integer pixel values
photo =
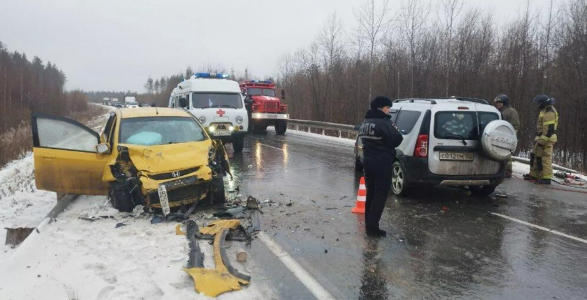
(21, 204)
(97, 260)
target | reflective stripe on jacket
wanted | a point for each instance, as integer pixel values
(548, 116)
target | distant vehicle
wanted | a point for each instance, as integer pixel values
(449, 142)
(131, 105)
(158, 158)
(218, 104)
(263, 107)
(106, 101)
(118, 104)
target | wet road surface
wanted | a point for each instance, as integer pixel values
(441, 243)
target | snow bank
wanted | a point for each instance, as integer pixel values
(21, 204)
(97, 260)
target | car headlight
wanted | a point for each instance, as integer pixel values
(212, 129)
(231, 128)
(239, 119)
(202, 119)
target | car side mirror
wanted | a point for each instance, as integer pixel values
(183, 102)
(282, 94)
(102, 148)
(357, 127)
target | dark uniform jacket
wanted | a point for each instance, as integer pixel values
(511, 115)
(379, 135)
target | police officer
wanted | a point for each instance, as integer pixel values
(380, 137)
(541, 156)
(502, 102)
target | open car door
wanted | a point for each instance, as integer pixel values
(66, 159)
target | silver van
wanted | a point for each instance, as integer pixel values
(454, 141)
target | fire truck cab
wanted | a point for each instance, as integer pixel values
(217, 103)
(263, 107)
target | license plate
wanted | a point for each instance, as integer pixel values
(458, 156)
(272, 116)
(222, 133)
(221, 119)
(170, 185)
(163, 199)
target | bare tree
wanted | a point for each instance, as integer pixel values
(373, 26)
(451, 10)
(413, 16)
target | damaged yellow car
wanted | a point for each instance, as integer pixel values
(156, 157)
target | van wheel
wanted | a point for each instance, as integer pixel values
(238, 143)
(120, 198)
(482, 191)
(398, 180)
(358, 165)
(280, 127)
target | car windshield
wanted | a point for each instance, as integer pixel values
(269, 92)
(151, 131)
(253, 92)
(204, 100)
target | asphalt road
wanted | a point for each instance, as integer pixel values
(441, 243)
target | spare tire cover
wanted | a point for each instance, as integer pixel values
(499, 140)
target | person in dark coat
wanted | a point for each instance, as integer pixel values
(380, 137)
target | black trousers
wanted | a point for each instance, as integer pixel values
(378, 183)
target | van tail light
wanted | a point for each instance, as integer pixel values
(421, 149)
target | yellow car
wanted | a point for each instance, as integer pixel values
(156, 157)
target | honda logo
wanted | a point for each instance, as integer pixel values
(175, 174)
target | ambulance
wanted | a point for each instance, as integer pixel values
(217, 103)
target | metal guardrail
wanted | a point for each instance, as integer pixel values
(340, 128)
(350, 129)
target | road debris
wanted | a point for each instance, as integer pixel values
(118, 225)
(500, 195)
(241, 255)
(224, 278)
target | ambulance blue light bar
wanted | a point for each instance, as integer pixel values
(265, 81)
(211, 75)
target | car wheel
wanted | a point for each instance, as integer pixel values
(398, 180)
(358, 165)
(482, 191)
(238, 143)
(216, 193)
(120, 199)
(280, 127)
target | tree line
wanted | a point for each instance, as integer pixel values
(30, 87)
(442, 49)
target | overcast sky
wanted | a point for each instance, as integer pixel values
(117, 44)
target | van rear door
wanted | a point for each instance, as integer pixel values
(454, 147)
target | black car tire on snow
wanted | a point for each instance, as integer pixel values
(482, 191)
(399, 184)
(238, 143)
(280, 126)
(120, 199)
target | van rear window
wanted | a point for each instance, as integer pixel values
(455, 125)
(458, 125)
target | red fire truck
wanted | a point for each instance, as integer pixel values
(263, 107)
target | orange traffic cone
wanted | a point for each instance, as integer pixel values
(361, 198)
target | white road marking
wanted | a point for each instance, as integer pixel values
(541, 228)
(315, 288)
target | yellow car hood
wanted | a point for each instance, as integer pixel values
(167, 158)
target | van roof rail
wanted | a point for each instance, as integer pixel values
(469, 99)
(411, 100)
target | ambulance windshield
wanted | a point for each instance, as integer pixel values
(205, 100)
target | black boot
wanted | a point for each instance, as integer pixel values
(376, 232)
(528, 177)
(543, 181)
